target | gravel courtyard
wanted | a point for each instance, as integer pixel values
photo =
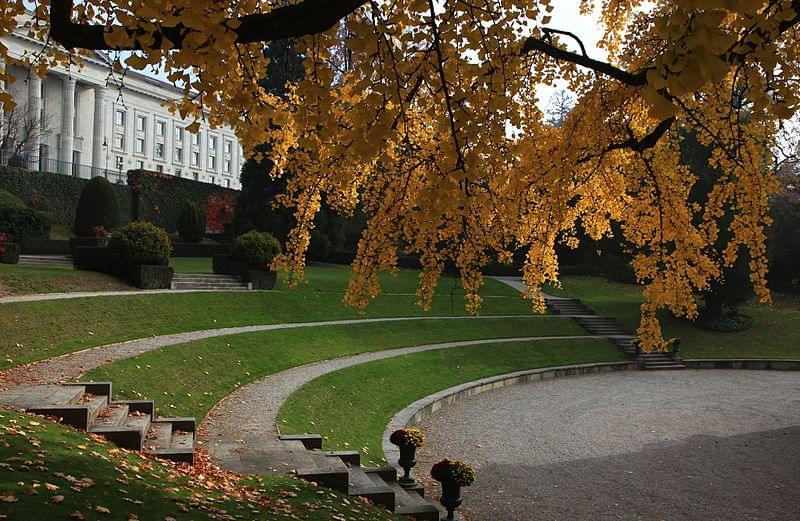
(677, 445)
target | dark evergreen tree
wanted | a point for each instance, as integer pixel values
(734, 287)
(255, 206)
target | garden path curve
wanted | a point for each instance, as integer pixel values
(238, 425)
(71, 365)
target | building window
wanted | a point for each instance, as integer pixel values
(212, 142)
(139, 148)
(140, 165)
(160, 169)
(119, 118)
(228, 147)
(119, 141)
(160, 150)
(196, 176)
(196, 140)
(178, 172)
(178, 133)
(227, 183)
(195, 158)
(178, 155)
(141, 123)
(211, 164)
(226, 166)
(118, 161)
(160, 128)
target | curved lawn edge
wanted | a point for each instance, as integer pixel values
(235, 426)
(419, 410)
(71, 365)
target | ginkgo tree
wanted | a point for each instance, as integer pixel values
(431, 123)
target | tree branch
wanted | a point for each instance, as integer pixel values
(536, 44)
(290, 21)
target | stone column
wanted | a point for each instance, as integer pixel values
(98, 131)
(35, 113)
(67, 122)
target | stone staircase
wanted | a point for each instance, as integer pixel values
(47, 261)
(130, 424)
(342, 471)
(611, 329)
(201, 281)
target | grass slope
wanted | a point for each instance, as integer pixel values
(191, 264)
(38, 330)
(352, 407)
(774, 334)
(188, 379)
(49, 471)
(25, 280)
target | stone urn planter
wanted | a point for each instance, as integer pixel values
(451, 498)
(407, 440)
(452, 475)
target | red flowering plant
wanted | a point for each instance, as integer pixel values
(100, 231)
(2, 250)
(4, 238)
(411, 436)
(453, 471)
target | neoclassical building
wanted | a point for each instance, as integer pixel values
(92, 125)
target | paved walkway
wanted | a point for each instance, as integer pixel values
(70, 366)
(676, 445)
(85, 294)
(238, 425)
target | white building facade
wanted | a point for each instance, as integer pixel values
(94, 126)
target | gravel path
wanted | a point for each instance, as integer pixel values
(72, 365)
(241, 420)
(84, 294)
(672, 445)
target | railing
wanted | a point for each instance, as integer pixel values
(35, 163)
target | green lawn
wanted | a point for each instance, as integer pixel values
(775, 332)
(37, 330)
(352, 407)
(191, 264)
(49, 471)
(188, 379)
(25, 280)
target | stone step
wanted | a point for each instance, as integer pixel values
(309, 441)
(128, 432)
(328, 471)
(371, 487)
(413, 505)
(206, 278)
(111, 417)
(350, 457)
(650, 367)
(209, 287)
(172, 439)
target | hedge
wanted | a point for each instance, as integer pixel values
(35, 246)
(160, 198)
(55, 193)
(188, 249)
(93, 258)
(22, 223)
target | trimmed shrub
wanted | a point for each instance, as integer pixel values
(255, 248)
(140, 243)
(97, 205)
(191, 224)
(9, 199)
(9, 253)
(22, 223)
(92, 258)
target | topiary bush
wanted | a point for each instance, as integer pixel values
(255, 248)
(191, 225)
(97, 205)
(139, 242)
